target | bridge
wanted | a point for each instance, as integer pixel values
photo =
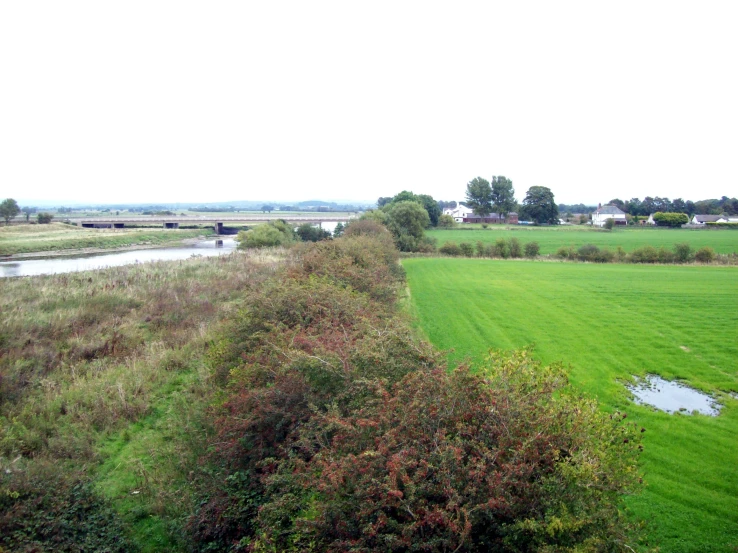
(173, 222)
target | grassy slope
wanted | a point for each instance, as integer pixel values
(58, 236)
(691, 500)
(552, 238)
(103, 372)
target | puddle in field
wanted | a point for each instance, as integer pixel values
(673, 397)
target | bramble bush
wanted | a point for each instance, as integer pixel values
(503, 459)
(339, 430)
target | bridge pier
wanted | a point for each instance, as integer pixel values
(218, 227)
(171, 225)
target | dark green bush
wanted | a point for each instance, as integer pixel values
(467, 250)
(705, 255)
(481, 249)
(588, 252)
(515, 248)
(501, 249)
(670, 219)
(42, 512)
(666, 256)
(450, 248)
(532, 249)
(646, 254)
(566, 252)
(683, 252)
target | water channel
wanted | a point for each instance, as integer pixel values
(32, 267)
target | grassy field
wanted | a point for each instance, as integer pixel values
(58, 236)
(611, 322)
(552, 238)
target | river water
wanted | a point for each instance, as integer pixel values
(55, 265)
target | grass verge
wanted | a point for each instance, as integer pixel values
(58, 236)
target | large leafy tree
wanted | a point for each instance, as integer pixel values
(9, 209)
(428, 203)
(407, 222)
(539, 205)
(503, 196)
(479, 196)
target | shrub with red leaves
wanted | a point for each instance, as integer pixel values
(504, 460)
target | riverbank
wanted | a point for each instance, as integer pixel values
(57, 239)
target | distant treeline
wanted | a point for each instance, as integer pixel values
(636, 206)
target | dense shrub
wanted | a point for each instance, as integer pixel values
(705, 255)
(501, 249)
(646, 254)
(591, 253)
(446, 221)
(609, 223)
(670, 219)
(481, 249)
(467, 250)
(666, 256)
(505, 459)
(366, 264)
(311, 233)
(515, 248)
(340, 431)
(44, 218)
(450, 248)
(566, 252)
(42, 513)
(532, 249)
(683, 252)
(274, 233)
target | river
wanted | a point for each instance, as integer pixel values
(55, 265)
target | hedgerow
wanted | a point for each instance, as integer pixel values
(340, 430)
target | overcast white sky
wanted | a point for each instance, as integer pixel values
(145, 101)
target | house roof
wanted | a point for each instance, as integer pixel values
(706, 218)
(609, 210)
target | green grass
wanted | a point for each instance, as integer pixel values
(611, 322)
(58, 236)
(552, 238)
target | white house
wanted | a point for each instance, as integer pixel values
(702, 219)
(606, 212)
(459, 213)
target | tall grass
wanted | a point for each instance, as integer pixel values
(102, 380)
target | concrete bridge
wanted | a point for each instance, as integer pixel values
(173, 222)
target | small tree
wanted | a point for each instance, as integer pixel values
(446, 221)
(467, 250)
(683, 252)
(532, 249)
(515, 249)
(338, 231)
(609, 223)
(44, 218)
(9, 209)
(311, 233)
